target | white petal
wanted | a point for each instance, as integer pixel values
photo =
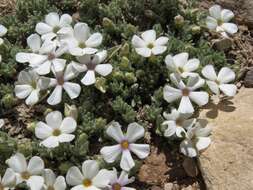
(34, 42)
(33, 98)
(209, 72)
(227, 15)
(76, 51)
(161, 41)
(43, 28)
(187, 148)
(17, 162)
(9, 178)
(228, 89)
(36, 60)
(81, 32)
(89, 50)
(68, 125)
(35, 166)
(211, 23)
(60, 183)
(52, 19)
(42, 130)
(134, 132)
(138, 42)
(90, 169)
(213, 87)
(149, 36)
(181, 59)
(195, 82)
(3, 30)
(185, 105)
(56, 96)
(226, 75)
(50, 142)
(180, 131)
(114, 131)
(2, 123)
(49, 37)
(81, 187)
(94, 40)
(35, 182)
(158, 50)
(145, 52)
(54, 119)
(127, 162)
(171, 128)
(215, 11)
(49, 177)
(171, 94)
(44, 68)
(23, 57)
(200, 98)
(72, 89)
(124, 178)
(74, 176)
(202, 143)
(102, 179)
(230, 28)
(104, 69)
(65, 138)
(110, 153)
(177, 80)
(25, 77)
(85, 59)
(140, 150)
(192, 65)
(65, 20)
(169, 61)
(99, 57)
(22, 91)
(89, 78)
(58, 65)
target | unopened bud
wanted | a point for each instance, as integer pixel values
(71, 111)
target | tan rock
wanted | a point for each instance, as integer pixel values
(228, 163)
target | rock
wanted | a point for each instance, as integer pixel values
(168, 186)
(248, 80)
(248, 6)
(156, 188)
(228, 163)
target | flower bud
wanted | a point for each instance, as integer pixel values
(125, 49)
(179, 20)
(130, 78)
(101, 84)
(70, 111)
(124, 64)
(107, 23)
(31, 126)
(195, 30)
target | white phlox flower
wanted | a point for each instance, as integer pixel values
(186, 93)
(60, 83)
(51, 182)
(90, 178)
(196, 139)
(177, 123)
(28, 87)
(219, 21)
(54, 27)
(181, 65)
(148, 45)
(125, 145)
(2, 122)
(3, 31)
(56, 130)
(8, 181)
(219, 82)
(92, 64)
(119, 183)
(82, 42)
(29, 173)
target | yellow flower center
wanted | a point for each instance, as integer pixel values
(217, 82)
(56, 132)
(1, 187)
(125, 144)
(116, 186)
(50, 56)
(220, 22)
(179, 122)
(87, 183)
(56, 29)
(50, 188)
(82, 45)
(180, 69)
(150, 45)
(25, 175)
(185, 92)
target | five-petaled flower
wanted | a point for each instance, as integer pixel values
(56, 130)
(148, 45)
(126, 144)
(187, 93)
(217, 83)
(29, 173)
(51, 182)
(219, 21)
(91, 178)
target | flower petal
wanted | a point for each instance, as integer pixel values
(49, 177)
(74, 176)
(181, 59)
(9, 178)
(115, 131)
(102, 179)
(214, 87)
(33, 98)
(187, 148)
(145, 52)
(17, 162)
(171, 94)
(127, 162)
(226, 75)
(202, 143)
(192, 65)
(35, 166)
(34, 42)
(81, 32)
(230, 28)
(58, 65)
(65, 138)
(140, 150)
(50, 142)
(43, 28)
(111, 153)
(158, 50)
(215, 11)
(94, 40)
(23, 57)
(54, 119)
(149, 36)
(44, 68)
(209, 72)
(72, 89)
(42, 130)
(228, 89)
(185, 105)
(211, 23)
(169, 61)
(52, 19)
(68, 125)
(3, 30)
(171, 128)
(56, 96)
(22, 91)
(227, 15)
(134, 132)
(65, 20)
(90, 169)
(89, 78)
(137, 42)
(161, 41)
(99, 57)
(60, 183)
(200, 98)
(104, 69)
(35, 182)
